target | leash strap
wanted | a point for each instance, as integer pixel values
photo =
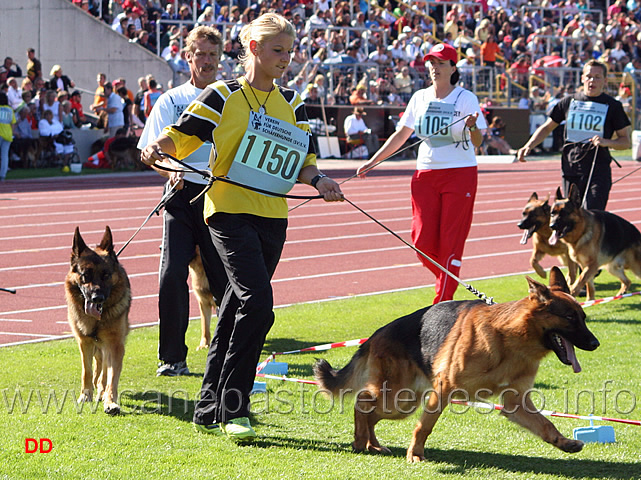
(164, 200)
(212, 178)
(470, 288)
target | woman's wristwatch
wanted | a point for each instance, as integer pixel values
(316, 179)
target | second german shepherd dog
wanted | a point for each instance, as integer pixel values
(206, 302)
(98, 301)
(595, 239)
(536, 223)
(463, 348)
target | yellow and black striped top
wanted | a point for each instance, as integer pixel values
(220, 114)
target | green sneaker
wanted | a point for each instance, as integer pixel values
(240, 430)
(213, 429)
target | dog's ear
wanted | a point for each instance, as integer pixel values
(107, 243)
(538, 292)
(534, 196)
(559, 195)
(557, 280)
(574, 195)
(79, 244)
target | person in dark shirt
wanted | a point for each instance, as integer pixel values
(594, 123)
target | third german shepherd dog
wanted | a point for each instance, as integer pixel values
(536, 223)
(206, 302)
(98, 300)
(465, 348)
(595, 239)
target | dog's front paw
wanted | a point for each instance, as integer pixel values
(379, 449)
(204, 344)
(571, 446)
(112, 408)
(415, 456)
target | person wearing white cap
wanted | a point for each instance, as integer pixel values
(449, 121)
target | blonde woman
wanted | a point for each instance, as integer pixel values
(247, 228)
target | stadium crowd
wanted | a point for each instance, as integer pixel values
(363, 53)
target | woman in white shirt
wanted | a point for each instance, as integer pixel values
(448, 118)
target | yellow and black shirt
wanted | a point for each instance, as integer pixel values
(220, 114)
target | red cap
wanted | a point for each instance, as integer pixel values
(442, 51)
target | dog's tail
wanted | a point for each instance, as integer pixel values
(350, 377)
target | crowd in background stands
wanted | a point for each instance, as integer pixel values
(345, 55)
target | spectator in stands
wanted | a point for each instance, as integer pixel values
(51, 127)
(138, 108)
(100, 101)
(76, 105)
(7, 122)
(69, 118)
(115, 107)
(51, 103)
(359, 96)
(403, 83)
(489, 51)
(34, 67)
(14, 93)
(13, 69)
(58, 81)
(150, 96)
(495, 137)
(23, 135)
(586, 156)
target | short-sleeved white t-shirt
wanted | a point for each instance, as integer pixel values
(458, 154)
(167, 109)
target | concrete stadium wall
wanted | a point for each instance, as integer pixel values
(81, 44)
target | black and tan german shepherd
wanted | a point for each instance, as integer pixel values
(206, 302)
(462, 347)
(98, 301)
(536, 223)
(595, 239)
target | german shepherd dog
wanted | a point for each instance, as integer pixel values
(595, 239)
(462, 348)
(536, 223)
(98, 301)
(206, 303)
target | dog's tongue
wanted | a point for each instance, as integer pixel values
(569, 348)
(527, 234)
(553, 238)
(92, 309)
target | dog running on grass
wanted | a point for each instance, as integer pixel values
(595, 239)
(98, 301)
(536, 223)
(466, 347)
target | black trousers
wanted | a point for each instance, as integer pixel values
(598, 192)
(183, 229)
(250, 248)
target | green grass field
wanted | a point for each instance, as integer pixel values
(302, 434)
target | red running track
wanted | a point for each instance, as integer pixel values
(332, 250)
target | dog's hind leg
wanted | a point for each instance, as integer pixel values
(431, 413)
(525, 414)
(364, 409)
(616, 268)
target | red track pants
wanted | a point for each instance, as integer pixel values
(442, 207)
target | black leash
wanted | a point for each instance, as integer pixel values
(8, 290)
(470, 288)
(212, 178)
(164, 200)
